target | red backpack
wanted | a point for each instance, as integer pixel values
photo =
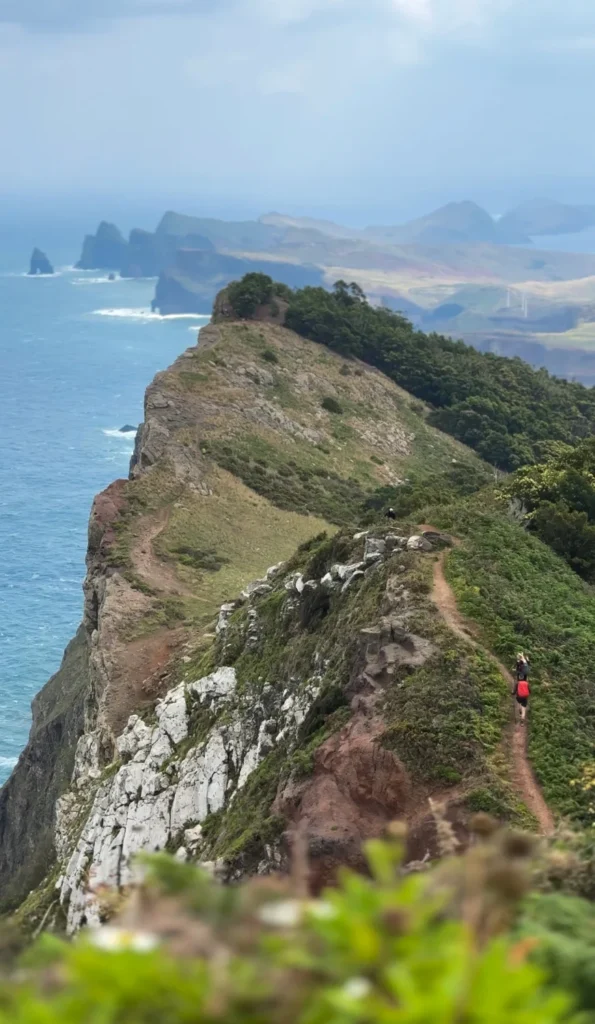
(523, 688)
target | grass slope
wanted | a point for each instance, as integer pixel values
(290, 440)
(523, 597)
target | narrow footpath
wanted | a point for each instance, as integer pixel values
(444, 599)
(154, 571)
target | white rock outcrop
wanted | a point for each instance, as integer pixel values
(152, 798)
(157, 798)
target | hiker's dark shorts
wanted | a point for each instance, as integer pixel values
(522, 701)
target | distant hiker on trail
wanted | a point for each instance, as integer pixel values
(522, 690)
(522, 666)
(390, 514)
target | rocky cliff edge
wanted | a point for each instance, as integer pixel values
(244, 654)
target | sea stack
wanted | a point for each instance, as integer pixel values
(40, 264)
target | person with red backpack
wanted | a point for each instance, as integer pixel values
(522, 690)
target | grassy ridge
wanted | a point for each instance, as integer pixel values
(523, 597)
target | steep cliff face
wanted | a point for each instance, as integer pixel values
(106, 249)
(189, 683)
(43, 773)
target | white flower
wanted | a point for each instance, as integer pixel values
(356, 988)
(282, 914)
(119, 939)
(322, 910)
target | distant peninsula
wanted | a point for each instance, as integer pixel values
(458, 270)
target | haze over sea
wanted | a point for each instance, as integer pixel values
(76, 354)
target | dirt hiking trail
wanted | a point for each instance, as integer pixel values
(153, 570)
(523, 777)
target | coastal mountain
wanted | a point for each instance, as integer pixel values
(192, 283)
(449, 225)
(544, 217)
(261, 647)
(449, 271)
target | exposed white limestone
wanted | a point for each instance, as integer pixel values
(172, 715)
(152, 799)
(220, 683)
(158, 791)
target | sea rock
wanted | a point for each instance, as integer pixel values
(127, 429)
(39, 264)
(106, 249)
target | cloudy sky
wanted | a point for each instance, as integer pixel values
(352, 107)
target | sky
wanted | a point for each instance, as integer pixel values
(365, 109)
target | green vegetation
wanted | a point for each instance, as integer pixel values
(302, 484)
(459, 943)
(254, 290)
(421, 490)
(557, 500)
(459, 743)
(208, 548)
(500, 407)
(332, 405)
(523, 597)
(200, 558)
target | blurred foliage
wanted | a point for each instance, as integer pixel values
(452, 944)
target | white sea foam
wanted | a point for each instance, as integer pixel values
(7, 762)
(114, 432)
(97, 280)
(32, 277)
(147, 314)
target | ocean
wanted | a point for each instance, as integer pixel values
(76, 354)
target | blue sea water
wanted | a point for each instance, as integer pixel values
(76, 354)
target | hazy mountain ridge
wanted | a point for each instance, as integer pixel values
(451, 258)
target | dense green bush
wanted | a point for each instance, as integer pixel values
(332, 405)
(428, 948)
(557, 499)
(252, 291)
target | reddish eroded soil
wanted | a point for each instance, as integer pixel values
(154, 571)
(142, 675)
(524, 779)
(357, 788)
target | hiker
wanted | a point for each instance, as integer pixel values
(522, 666)
(522, 690)
(390, 513)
